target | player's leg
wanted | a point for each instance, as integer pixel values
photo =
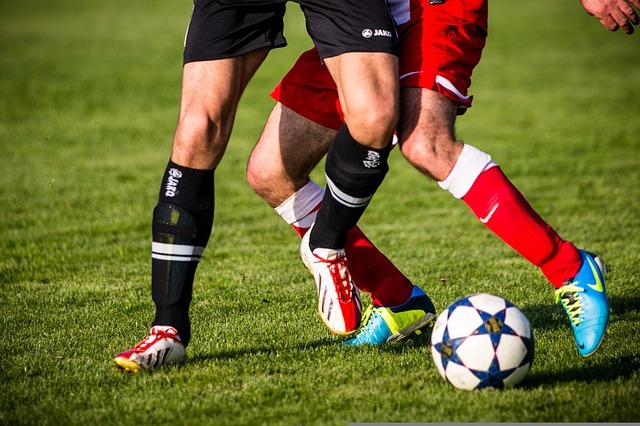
(357, 42)
(430, 145)
(290, 147)
(279, 166)
(427, 139)
(428, 142)
(214, 78)
(357, 160)
(183, 216)
(386, 321)
(577, 275)
(363, 64)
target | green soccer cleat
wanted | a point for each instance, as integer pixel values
(585, 301)
(390, 324)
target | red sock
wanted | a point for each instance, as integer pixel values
(374, 273)
(371, 270)
(504, 210)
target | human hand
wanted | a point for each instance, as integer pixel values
(614, 14)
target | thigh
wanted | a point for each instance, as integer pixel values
(224, 28)
(210, 94)
(368, 91)
(367, 82)
(361, 86)
(216, 85)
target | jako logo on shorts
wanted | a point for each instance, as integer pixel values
(367, 33)
(382, 33)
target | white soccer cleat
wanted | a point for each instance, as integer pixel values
(339, 302)
(161, 347)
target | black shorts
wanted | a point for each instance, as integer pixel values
(227, 28)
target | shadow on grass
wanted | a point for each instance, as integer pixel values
(622, 305)
(265, 350)
(542, 317)
(606, 370)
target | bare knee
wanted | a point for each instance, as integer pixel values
(269, 176)
(289, 148)
(434, 155)
(372, 124)
(369, 94)
(210, 94)
(273, 184)
(260, 176)
(200, 140)
(372, 116)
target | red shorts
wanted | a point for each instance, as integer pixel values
(440, 46)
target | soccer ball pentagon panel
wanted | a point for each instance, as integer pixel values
(482, 341)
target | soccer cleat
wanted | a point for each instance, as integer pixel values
(390, 324)
(161, 347)
(585, 301)
(339, 302)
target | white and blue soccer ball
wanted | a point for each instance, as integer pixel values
(482, 341)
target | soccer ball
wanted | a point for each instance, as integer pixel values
(482, 341)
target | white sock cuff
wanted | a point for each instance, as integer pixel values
(470, 164)
(300, 204)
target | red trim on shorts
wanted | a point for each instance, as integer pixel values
(309, 90)
(439, 40)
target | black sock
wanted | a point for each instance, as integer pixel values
(354, 173)
(182, 223)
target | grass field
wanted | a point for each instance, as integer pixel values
(88, 103)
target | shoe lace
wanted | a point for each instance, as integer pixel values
(364, 334)
(571, 301)
(340, 277)
(365, 318)
(151, 339)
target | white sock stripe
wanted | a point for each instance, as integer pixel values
(470, 164)
(175, 258)
(301, 204)
(176, 252)
(346, 199)
(177, 249)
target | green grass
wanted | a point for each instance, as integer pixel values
(88, 103)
